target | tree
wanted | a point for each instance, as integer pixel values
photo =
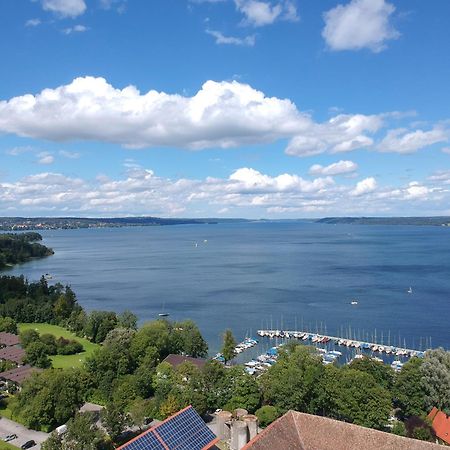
(169, 406)
(140, 410)
(50, 342)
(229, 345)
(244, 390)
(82, 434)
(354, 396)
(36, 355)
(409, 390)
(382, 373)
(7, 324)
(191, 340)
(114, 420)
(266, 415)
(28, 336)
(50, 398)
(155, 334)
(127, 320)
(436, 379)
(294, 381)
(214, 385)
(99, 324)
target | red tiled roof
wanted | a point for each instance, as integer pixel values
(302, 431)
(14, 354)
(19, 374)
(8, 339)
(176, 360)
(440, 423)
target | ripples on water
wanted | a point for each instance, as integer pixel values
(248, 275)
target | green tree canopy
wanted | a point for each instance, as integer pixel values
(229, 345)
(409, 390)
(293, 382)
(436, 379)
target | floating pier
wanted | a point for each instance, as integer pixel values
(349, 343)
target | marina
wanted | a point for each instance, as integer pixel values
(339, 341)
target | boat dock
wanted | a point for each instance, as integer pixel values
(315, 338)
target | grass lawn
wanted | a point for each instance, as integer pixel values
(6, 446)
(62, 361)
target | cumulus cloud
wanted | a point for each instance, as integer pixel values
(220, 115)
(402, 140)
(247, 41)
(342, 133)
(338, 168)
(364, 187)
(258, 13)
(45, 158)
(359, 24)
(65, 8)
(246, 192)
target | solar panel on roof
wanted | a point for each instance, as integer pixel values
(183, 431)
(145, 442)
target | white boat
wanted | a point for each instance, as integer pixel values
(354, 302)
(409, 291)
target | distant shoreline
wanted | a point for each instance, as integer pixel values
(71, 223)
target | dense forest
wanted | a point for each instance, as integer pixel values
(21, 247)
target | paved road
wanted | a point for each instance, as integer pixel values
(23, 434)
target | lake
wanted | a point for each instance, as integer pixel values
(245, 276)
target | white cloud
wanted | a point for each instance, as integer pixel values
(342, 133)
(359, 24)
(69, 155)
(45, 158)
(220, 115)
(337, 168)
(445, 150)
(247, 192)
(365, 186)
(33, 22)
(402, 140)
(65, 8)
(248, 41)
(259, 13)
(75, 29)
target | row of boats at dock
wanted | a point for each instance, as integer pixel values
(263, 362)
(353, 343)
(241, 347)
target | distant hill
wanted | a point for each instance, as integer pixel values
(53, 223)
(419, 221)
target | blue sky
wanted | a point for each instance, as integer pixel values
(233, 108)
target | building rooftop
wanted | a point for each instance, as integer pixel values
(19, 374)
(176, 360)
(185, 430)
(440, 423)
(8, 339)
(302, 431)
(14, 354)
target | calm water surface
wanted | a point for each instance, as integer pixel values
(252, 275)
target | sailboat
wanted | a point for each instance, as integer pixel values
(409, 291)
(163, 314)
